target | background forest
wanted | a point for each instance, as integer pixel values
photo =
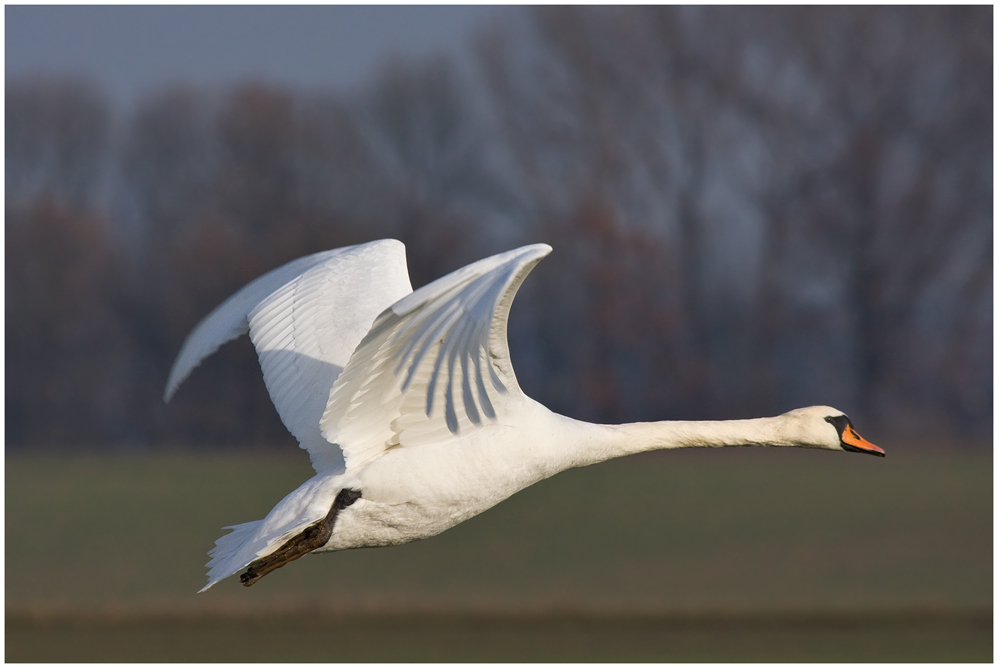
(751, 210)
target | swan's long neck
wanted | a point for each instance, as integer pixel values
(596, 443)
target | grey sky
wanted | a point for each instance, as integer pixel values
(131, 50)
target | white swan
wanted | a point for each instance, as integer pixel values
(409, 408)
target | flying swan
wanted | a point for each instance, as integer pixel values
(409, 408)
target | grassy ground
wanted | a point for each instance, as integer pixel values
(722, 555)
(506, 639)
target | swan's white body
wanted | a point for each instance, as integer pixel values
(410, 399)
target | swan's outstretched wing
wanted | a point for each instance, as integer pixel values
(434, 365)
(305, 319)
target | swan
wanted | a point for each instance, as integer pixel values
(408, 407)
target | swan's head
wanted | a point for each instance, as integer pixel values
(830, 428)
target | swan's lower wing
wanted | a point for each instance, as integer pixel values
(435, 365)
(305, 320)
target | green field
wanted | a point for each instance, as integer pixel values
(737, 555)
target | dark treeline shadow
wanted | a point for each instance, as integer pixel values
(751, 210)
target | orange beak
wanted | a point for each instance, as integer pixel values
(857, 443)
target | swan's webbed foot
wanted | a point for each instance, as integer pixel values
(314, 536)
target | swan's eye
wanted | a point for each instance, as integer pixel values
(840, 422)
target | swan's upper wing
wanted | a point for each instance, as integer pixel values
(434, 365)
(305, 319)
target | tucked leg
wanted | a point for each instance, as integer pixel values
(314, 536)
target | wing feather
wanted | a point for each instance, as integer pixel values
(305, 320)
(419, 375)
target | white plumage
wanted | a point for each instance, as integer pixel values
(408, 401)
(305, 320)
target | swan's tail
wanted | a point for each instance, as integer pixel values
(228, 555)
(250, 541)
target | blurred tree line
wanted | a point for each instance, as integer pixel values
(751, 210)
